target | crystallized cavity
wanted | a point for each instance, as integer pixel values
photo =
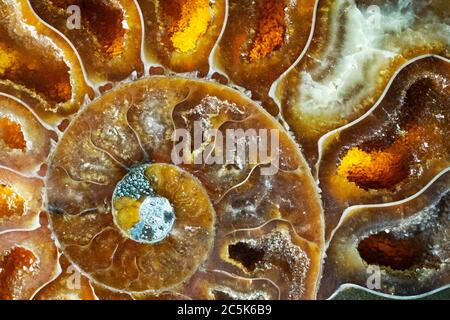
(180, 34)
(261, 40)
(12, 135)
(134, 184)
(265, 252)
(106, 34)
(15, 266)
(139, 212)
(272, 252)
(187, 21)
(37, 65)
(28, 260)
(401, 248)
(11, 203)
(356, 48)
(271, 32)
(24, 142)
(156, 218)
(397, 149)
(20, 201)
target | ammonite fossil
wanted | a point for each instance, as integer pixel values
(142, 224)
(243, 150)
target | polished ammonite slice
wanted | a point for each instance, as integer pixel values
(393, 152)
(180, 34)
(135, 220)
(262, 39)
(37, 65)
(400, 248)
(107, 35)
(356, 48)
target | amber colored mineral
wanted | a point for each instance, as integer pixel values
(28, 261)
(180, 34)
(262, 40)
(396, 150)
(398, 248)
(20, 201)
(168, 221)
(356, 48)
(107, 35)
(25, 142)
(38, 65)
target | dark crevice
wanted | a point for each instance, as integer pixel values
(245, 254)
(384, 249)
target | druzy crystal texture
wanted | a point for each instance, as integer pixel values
(231, 150)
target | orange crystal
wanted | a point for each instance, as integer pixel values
(12, 135)
(271, 30)
(11, 203)
(14, 265)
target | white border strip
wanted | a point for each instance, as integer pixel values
(385, 295)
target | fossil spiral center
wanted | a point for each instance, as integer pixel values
(139, 212)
